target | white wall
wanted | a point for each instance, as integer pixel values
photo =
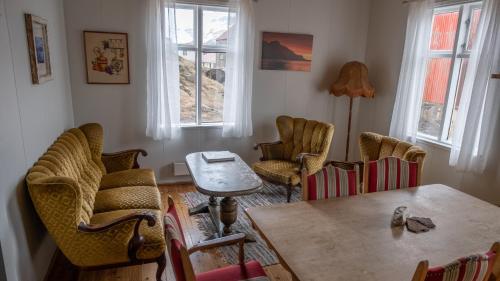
(340, 31)
(31, 117)
(384, 52)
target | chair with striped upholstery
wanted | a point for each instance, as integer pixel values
(389, 173)
(179, 255)
(373, 146)
(331, 182)
(481, 267)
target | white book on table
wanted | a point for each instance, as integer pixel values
(217, 156)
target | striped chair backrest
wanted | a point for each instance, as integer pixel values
(332, 182)
(391, 173)
(471, 268)
(175, 240)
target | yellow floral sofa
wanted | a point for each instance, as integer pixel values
(101, 209)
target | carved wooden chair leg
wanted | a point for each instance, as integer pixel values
(162, 264)
(289, 189)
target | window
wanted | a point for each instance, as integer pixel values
(202, 44)
(453, 34)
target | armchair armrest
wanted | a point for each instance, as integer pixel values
(257, 145)
(270, 150)
(137, 239)
(309, 162)
(238, 238)
(122, 160)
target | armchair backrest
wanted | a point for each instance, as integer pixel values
(375, 146)
(299, 135)
(176, 245)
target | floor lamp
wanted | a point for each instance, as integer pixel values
(352, 82)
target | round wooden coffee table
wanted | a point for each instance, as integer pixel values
(221, 179)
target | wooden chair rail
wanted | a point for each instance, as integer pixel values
(238, 238)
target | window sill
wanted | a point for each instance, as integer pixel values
(205, 125)
(435, 143)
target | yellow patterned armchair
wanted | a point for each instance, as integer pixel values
(373, 146)
(100, 209)
(303, 145)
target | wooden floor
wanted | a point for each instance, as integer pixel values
(201, 261)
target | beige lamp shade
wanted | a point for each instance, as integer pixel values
(353, 81)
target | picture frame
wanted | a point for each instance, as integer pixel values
(286, 51)
(38, 48)
(106, 57)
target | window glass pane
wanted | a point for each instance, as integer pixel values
(444, 29)
(474, 22)
(187, 77)
(184, 20)
(215, 23)
(436, 84)
(456, 102)
(212, 90)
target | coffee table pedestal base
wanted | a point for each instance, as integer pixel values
(223, 216)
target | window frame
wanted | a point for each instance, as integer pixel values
(199, 48)
(457, 54)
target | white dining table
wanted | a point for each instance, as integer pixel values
(351, 238)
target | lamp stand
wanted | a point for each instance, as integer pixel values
(348, 130)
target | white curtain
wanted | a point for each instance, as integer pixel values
(406, 112)
(237, 116)
(478, 113)
(163, 103)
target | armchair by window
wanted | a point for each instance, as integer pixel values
(375, 147)
(303, 144)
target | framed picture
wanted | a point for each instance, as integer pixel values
(106, 57)
(286, 51)
(38, 49)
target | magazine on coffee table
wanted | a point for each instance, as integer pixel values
(217, 156)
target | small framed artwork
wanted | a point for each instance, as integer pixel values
(38, 49)
(286, 51)
(106, 57)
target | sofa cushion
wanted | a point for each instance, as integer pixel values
(279, 171)
(154, 238)
(128, 197)
(134, 177)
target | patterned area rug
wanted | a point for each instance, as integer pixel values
(270, 194)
